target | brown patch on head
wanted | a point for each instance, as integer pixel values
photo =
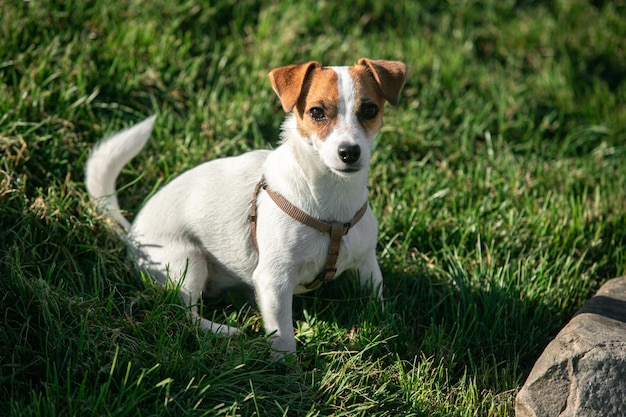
(311, 91)
(369, 100)
(317, 107)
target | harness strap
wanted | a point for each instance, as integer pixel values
(336, 229)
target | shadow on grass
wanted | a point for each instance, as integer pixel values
(470, 329)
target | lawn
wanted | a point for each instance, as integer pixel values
(499, 183)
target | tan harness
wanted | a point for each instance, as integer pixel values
(336, 229)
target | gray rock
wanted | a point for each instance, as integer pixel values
(582, 372)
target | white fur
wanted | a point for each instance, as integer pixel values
(196, 231)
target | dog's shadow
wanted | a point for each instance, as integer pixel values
(342, 301)
(332, 315)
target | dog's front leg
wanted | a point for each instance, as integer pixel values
(274, 297)
(371, 276)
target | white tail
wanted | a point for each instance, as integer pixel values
(105, 163)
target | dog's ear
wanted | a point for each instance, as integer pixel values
(390, 76)
(287, 82)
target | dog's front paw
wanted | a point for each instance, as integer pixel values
(282, 347)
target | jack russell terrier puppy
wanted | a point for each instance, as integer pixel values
(281, 221)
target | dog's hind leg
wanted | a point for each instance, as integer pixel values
(192, 302)
(194, 277)
(187, 268)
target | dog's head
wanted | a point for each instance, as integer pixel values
(339, 110)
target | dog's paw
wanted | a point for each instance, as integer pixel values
(218, 328)
(282, 347)
(285, 358)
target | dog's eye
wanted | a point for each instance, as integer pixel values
(367, 111)
(317, 114)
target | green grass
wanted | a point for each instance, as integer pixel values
(499, 183)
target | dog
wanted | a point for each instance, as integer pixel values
(279, 221)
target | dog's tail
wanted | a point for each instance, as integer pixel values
(105, 162)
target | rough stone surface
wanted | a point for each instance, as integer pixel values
(582, 372)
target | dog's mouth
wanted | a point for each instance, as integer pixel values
(348, 169)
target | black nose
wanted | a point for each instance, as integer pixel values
(349, 153)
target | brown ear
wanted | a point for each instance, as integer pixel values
(287, 82)
(390, 76)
